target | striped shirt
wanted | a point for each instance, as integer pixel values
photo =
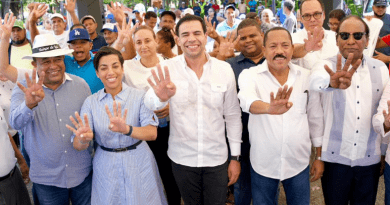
(349, 137)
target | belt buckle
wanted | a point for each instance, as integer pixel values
(121, 149)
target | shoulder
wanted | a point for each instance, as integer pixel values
(232, 61)
(375, 62)
(77, 81)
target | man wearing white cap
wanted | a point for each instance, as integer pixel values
(98, 41)
(230, 23)
(40, 108)
(57, 22)
(110, 33)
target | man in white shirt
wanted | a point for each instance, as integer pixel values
(205, 99)
(351, 150)
(57, 21)
(306, 54)
(279, 126)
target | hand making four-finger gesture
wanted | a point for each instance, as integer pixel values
(34, 92)
(279, 105)
(164, 87)
(82, 131)
(314, 40)
(117, 120)
(6, 27)
(342, 77)
(226, 46)
(211, 32)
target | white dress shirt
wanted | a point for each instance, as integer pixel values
(349, 137)
(198, 113)
(7, 153)
(378, 119)
(329, 48)
(280, 144)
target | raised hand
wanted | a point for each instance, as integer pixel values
(117, 11)
(38, 10)
(6, 27)
(211, 32)
(314, 41)
(34, 92)
(117, 120)
(82, 130)
(343, 77)
(70, 5)
(279, 105)
(226, 46)
(163, 88)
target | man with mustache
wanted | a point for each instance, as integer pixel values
(19, 46)
(279, 124)
(351, 150)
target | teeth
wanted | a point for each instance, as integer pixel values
(111, 79)
(192, 46)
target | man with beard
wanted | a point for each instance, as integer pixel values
(97, 40)
(379, 9)
(19, 47)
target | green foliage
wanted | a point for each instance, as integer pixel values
(355, 9)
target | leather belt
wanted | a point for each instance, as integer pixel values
(134, 146)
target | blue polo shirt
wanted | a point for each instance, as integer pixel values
(86, 72)
(252, 5)
(239, 63)
(98, 42)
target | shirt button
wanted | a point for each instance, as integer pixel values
(357, 86)
(66, 165)
(65, 151)
(357, 131)
(357, 102)
(358, 118)
(63, 135)
(60, 120)
(355, 144)
(57, 104)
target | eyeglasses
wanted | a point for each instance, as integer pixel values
(333, 24)
(356, 36)
(316, 15)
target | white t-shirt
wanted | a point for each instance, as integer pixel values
(7, 153)
(136, 74)
(62, 39)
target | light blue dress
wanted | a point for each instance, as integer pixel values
(129, 177)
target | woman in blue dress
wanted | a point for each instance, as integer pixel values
(124, 168)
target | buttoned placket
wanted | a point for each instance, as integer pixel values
(358, 111)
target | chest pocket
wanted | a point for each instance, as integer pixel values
(217, 93)
(300, 102)
(181, 95)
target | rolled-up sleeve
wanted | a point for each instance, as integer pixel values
(247, 94)
(319, 78)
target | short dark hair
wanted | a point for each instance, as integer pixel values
(319, 1)
(77, 26)
(150, 14)
(288, 5)
(190, 18)
(168, 13)
(337, 13)
(248, 22)
(166, 35)
(144, 27)
(105, 51)
(251, 15)
(275, 29)
(366, 28)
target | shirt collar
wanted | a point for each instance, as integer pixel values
(121, 95)
(91, 58)
(67, 77)
(183, 60)
(241, 57)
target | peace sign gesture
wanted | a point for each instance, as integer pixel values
(34, 92)
(314, 41)
(343, 77)
(117, 121)
(83, 131)
(164, 88)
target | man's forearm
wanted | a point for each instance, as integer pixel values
(318, 151)
(18, 154)
(6, 69)
(74, 17)
(299, 50)
(259, 107)
(33, 30)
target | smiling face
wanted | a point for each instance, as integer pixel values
(151, 22)
(278, 50)
(145, 44)
(351, 45)
(251, 41)
(110, 72)
(58, 25)
(54, 68)
(110, 36)
(192, 39)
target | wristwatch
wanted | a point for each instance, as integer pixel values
(236, 158)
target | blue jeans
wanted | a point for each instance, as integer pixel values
(387, 184)
(242, 188)
(265, 190)
(51, 195)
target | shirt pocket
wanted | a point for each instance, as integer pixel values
(217, 93)
(300, 103)
(181, 95)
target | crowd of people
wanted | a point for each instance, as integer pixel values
(163, 106)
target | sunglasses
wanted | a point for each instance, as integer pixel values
(356, 36)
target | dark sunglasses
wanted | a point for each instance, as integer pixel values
(356, 36)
